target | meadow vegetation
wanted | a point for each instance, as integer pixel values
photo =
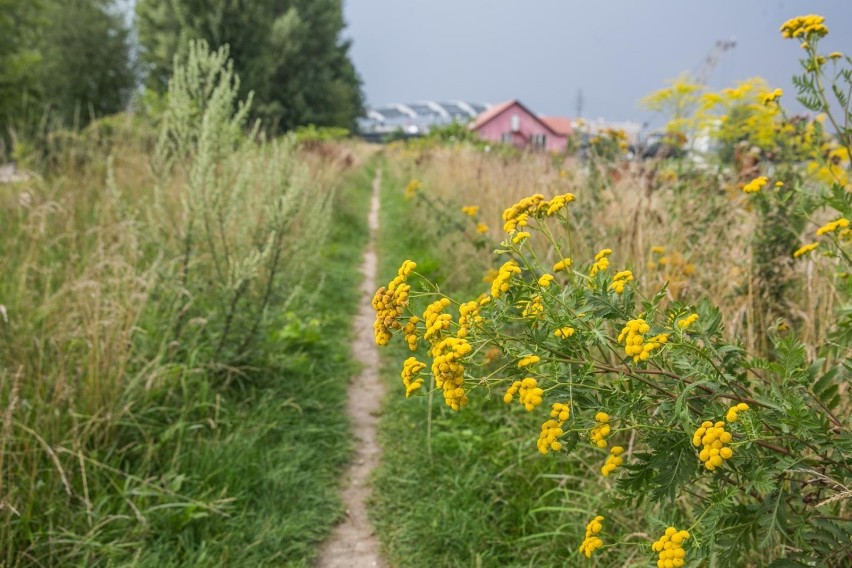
(603, 361)
(173, 337)
(676, 331)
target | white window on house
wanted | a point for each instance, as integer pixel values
(539, 141)
(506, 138)
(516, 123)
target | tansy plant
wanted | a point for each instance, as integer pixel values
(825, 86)
(806, 204)
(743, 452)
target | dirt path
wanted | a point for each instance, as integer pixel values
(353, 544)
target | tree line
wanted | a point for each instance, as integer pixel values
(64, 63)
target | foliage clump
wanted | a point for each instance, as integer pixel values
(289, 54)
(644, 370)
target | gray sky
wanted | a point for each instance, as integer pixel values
(543, 51)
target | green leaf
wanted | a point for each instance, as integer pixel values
(680, 404)
(675, 463)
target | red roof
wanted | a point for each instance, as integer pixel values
(559, 124)
(488, 114)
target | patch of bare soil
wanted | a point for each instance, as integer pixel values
(353, 544)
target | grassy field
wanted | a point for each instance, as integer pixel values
(133, 434)
(176, 307)
(128, 442)
(468, 488)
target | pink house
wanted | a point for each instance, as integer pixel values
(513, 123)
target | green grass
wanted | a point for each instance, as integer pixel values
(284, 444)
(196, 467)
(475, 491)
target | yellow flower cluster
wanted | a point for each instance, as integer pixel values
(530, 394)
(620, 280)
(599, 433)
(674, 268)
(613, 460)
(390, 302)
(562, 265)
(545, 280)
(771, 97)
(557, 203)
(528, 360)
(592, 542)
(834, 169)
(468, 317)
(520, 237)
(635, 345)
(470, 210)
(528, 391)
(501, 281)
(435, 320)
(552, 429)
(805, 249)
(512, 225)
(601, 262)
(509, 396)
(608, 140)
(713, 438)
(410, 332)
(448, 370)
(518, 214)
(447, 352)
(804, 26)
(734, 410)
(481, 228)
(687, 321)
(756, 184)
(534, 309)
(670, 547)
(534, 205)
(412, 188)
(564, 332)
(411, 368)
(841, 223)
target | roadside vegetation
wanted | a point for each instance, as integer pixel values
(590, 359)
(635, 363)
(176, 306)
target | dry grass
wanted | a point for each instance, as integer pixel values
(701, 218)
(89, 368)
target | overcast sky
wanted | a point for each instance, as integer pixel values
(544, 51)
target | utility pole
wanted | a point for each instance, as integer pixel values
(706, 67)
(579, 103)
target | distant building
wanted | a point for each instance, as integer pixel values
(416, 119)
(513, 123)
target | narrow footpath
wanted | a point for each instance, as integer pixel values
(353, 544)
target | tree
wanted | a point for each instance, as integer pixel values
(85, 69)
(288, 52)
(18, 60)
(67, 58)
